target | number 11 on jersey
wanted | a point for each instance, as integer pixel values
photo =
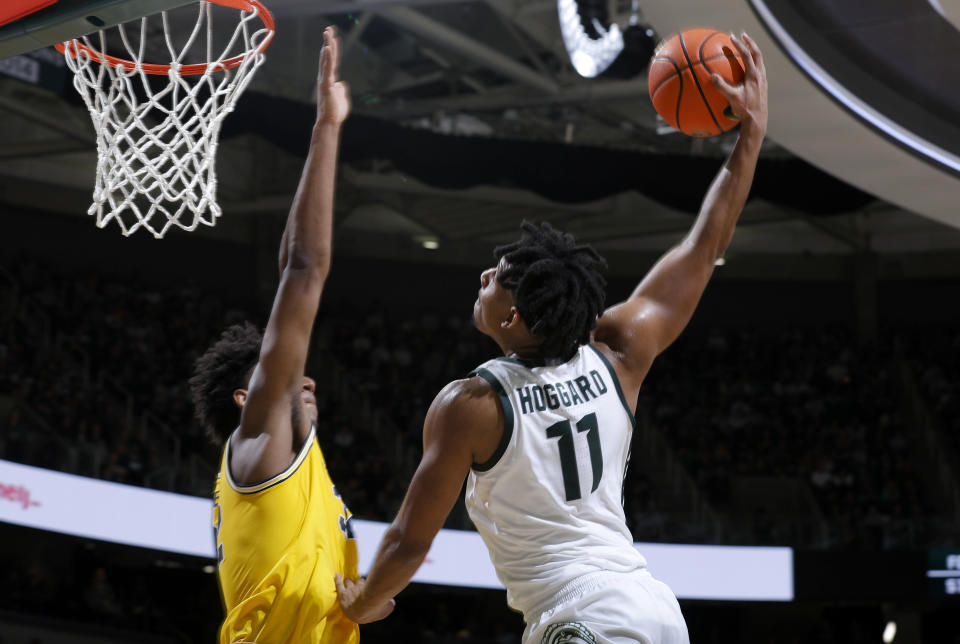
(568, 456)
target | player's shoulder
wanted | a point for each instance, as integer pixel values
(471, 400)
(466, 392)
(605, 352)
(625, 337)
(466, 415)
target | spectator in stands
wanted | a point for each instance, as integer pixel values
(99, 596)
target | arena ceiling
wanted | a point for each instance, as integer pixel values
(465, 81)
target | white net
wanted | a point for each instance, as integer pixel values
(157, 137)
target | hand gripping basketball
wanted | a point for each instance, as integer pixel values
(748, 100)
(333, 95)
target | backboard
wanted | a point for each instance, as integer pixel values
(26, 25)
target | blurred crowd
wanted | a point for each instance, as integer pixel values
(795, 405)
(97, 363)
(936, 366)
(93, 380)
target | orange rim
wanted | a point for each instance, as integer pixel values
(73, 47)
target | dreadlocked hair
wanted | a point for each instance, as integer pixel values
(224, 368)
(558, 286)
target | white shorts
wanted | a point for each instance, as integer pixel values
(611, 608)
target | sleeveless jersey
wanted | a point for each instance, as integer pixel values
(549, 503)
(279, 545)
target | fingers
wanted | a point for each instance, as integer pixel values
(755, 53)
(746, 57)
(329, 57)
(326, 62)
(347, 588)
(324, 55)
(348, 591)
(335, 38)
(750, 55)
(729, 91)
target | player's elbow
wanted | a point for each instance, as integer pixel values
(705, 249)
(305, 281)
(308, 266)
(711, 241)
(406, 545)
(719, 250)
(306, 249)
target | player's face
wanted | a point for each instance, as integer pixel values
(493, 301)
(308, 389)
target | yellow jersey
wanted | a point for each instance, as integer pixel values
(279, 545)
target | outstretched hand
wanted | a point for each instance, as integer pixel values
(348, 591)
(748, 100)
(333, 95)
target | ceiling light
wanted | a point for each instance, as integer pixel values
(597, 45)
(589, 55)
(430, 242)
(889, 632)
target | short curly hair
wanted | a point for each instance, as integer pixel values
(225, 367)
(558, 285)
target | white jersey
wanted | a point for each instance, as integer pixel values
(549, 503)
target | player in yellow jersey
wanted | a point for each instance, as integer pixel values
(282, 532)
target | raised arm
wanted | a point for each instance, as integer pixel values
(640, 328)
(317, 178)
(462, 427)
(266, 440)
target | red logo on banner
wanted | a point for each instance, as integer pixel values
(17, 494)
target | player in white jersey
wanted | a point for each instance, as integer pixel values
(543, 434)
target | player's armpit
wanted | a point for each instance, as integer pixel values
(459, 426)
(641, 327)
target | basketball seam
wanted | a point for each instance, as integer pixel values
(696, 81)
(680, 69)
(707, 67)
(679, 93)
(703, 44)
(706, 60)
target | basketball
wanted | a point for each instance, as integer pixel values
(680, 86)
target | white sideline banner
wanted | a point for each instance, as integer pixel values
(86, 507)
(106, 511)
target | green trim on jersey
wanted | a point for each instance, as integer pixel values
(616, 382)
(507, 419)
(538, 361)
(529, 363)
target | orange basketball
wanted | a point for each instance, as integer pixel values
(680, 86)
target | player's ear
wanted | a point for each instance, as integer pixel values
(513, 320)
(239, 397)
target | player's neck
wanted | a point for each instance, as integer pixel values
(521, 347)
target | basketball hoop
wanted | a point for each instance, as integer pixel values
(157, 147)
